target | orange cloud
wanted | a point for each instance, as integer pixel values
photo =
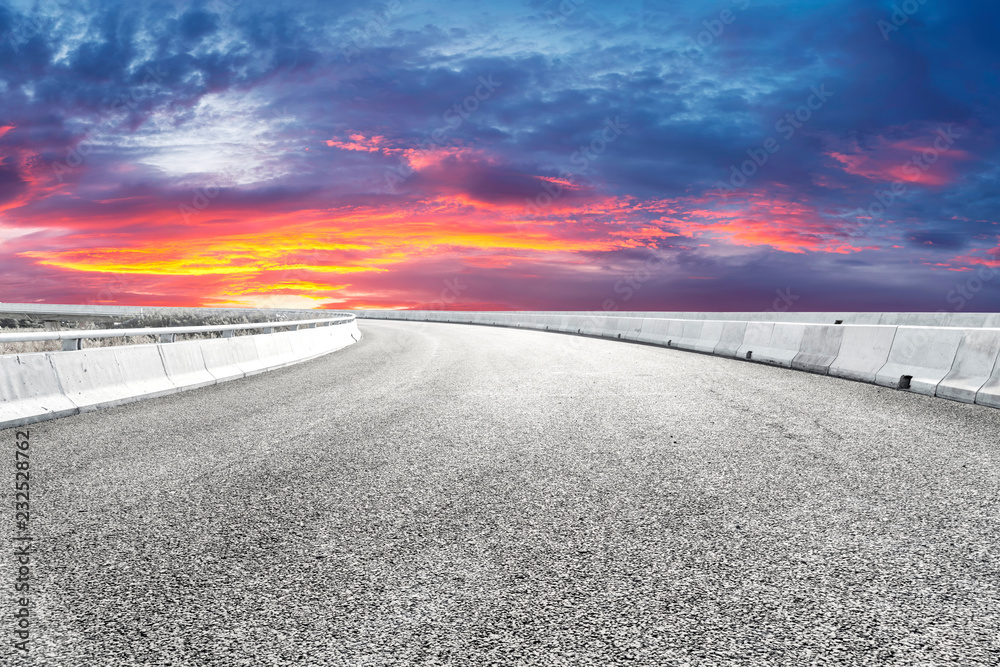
(761, 218)
(242, 258)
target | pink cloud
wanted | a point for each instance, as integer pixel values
(928, 158)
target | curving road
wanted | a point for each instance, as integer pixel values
(452, 495)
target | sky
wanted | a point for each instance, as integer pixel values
(719, 155)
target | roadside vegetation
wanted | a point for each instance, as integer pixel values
(150, 319)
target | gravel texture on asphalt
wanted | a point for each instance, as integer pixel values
(456, 495)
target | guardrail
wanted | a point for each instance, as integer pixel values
(73, 339)
(37, 386)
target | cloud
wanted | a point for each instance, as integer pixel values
(211, 153)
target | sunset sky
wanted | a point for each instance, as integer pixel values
(531, 155)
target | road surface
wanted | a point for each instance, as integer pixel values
(456, 495)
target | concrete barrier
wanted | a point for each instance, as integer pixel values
(864, 350)
(755, 342)
(275, 350)
(973, 367)
(923, 355)
(633, 325)
(332, 339)
(546, 322)
(562, 323)
(783, 345)
(185, 364)
(731, 338)
(624, 328)
(951, 355)
(35, 387)
(962, 320)
(653, 330)
(673, 331)
(989, 393)
(575, 323)
(819, 348)
(93, 378)
(690, 334)
(711, 336)
(220, 360)
(144, 371)
(246, 356)
(859, 318)
(30, 391)
(593, 325)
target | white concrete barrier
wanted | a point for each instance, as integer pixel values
(973, 366)
(711, 336)
(780, 347)
(731, 338)
(220, 360)
(593, 325)
(275, 350)
(864, 350)
(30, 391)
(755, 338)
(246, 356)
(673, 332)
(624, 328)
(574, 324)
(819, 348)
(989, 393)
(185, 364)
(963, 320)
(690, 334)
(144, 371)
(47, 385)
(92, 378)
(547, 322)
(562, 323)
(923, 355)
(653, 330)
(633, 325)
(951, 355)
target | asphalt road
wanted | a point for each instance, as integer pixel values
(454, 495)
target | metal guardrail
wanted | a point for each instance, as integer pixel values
(72, 340)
